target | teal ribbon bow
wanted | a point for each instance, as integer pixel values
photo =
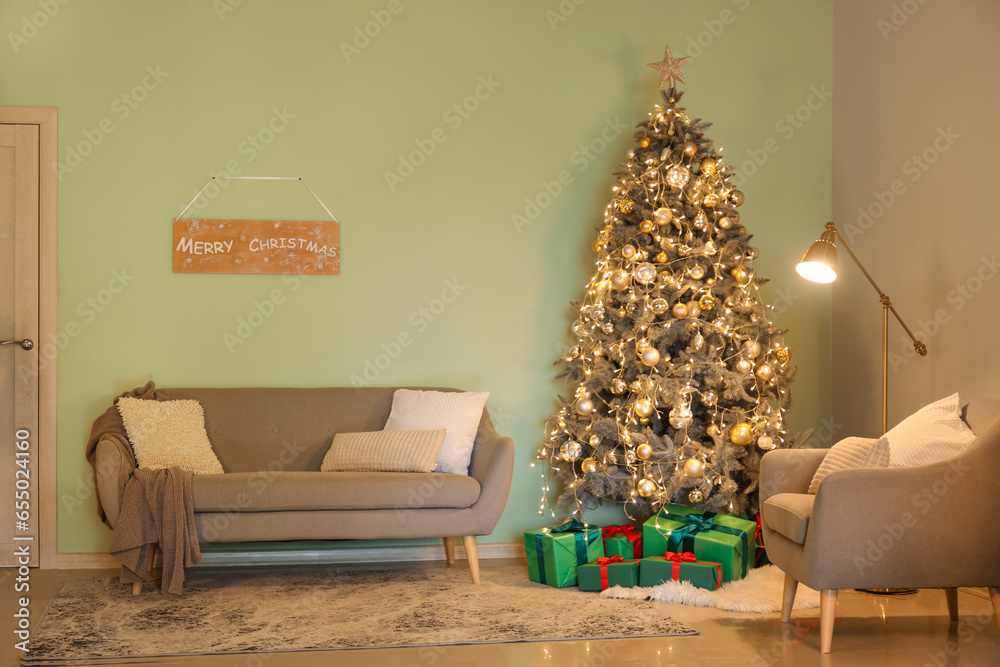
(682, 539)
(571, 526)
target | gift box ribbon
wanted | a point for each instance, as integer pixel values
(687, 557)
(760, 538)
(604, 561)
(682, 539)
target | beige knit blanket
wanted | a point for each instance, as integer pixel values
(155, 506)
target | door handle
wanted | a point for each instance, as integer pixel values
(26, 343)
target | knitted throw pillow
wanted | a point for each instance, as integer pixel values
(852, 453)
(165, 434)
(384, 451)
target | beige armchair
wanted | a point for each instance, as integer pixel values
(931, 526)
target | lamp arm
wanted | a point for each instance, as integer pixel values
(883, 298)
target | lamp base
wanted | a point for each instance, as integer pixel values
(887, 591)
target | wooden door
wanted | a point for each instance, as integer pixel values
(19, 327)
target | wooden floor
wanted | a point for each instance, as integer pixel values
(909, 631)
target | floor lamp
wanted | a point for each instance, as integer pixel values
(819, 264)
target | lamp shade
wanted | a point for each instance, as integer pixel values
(819, 263)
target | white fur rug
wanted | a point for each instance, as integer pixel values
(759, 591)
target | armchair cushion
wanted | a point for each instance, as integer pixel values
(934, 433)
(852, 453)
(789, 514)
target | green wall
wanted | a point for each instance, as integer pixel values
(559, 75)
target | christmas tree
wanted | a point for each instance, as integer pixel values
(679, 378)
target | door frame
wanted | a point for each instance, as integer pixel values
(46, 118)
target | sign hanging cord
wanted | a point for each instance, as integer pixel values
(263, 178)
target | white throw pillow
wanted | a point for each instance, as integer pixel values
(165, 434)
(934, 433)
(457, 412)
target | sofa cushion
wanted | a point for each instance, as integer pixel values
(789, 514)
(933, 433)
(851, 453)
(271, 492)
(384, 451)
(165, 434)
(457, 412)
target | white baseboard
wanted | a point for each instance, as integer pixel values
(400, 554)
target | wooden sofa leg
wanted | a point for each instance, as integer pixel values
(449, 550)
(951, 594)
(995, 599)
(137, 585)
(788, 598)
(827, 611)
(473, 555)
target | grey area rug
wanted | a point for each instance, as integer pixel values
(240, 610)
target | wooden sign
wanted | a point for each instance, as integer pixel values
(257, 246)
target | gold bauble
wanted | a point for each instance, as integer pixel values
(694, 310)
(646, 226)
(725, 223)
(659, 305)
(628, 251)
(713, 429)
(708, 166)
(650, 356)
(590, 465)
(647, 487)
(752, 348)
(783, 355)
(645, 273)
(584, 406)
(661, 258)
(741, 434)
(620, 279)
(741, 275)
(741, 230)
(697, 272)
(595, 440)
(597, 245)
(679, 311)
(736, 197)
(765, 442)
(710, 200)
(644, 451)
(626, 205)
(621, 312)
(680, 417)
(707, 302)
(641, 344)
(696, 496)
(765, 372)
(743, 366)
(690, 148)
(644, 142)
(694, 467)
(663, 216)
(571, 450)
(618, 386)
(644, 407)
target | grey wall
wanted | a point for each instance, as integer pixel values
(915, 145)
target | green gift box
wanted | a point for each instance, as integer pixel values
(655, 570)
(716, 538)
(622, 541)
(608, 572)
(554, 553)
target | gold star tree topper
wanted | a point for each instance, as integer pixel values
(670, 67)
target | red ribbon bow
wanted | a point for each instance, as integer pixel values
(618, 530)
(604, 560)
(686, 557)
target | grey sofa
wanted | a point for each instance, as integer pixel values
(271, 442)
(927, 526)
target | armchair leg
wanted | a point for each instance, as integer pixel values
(469, 541)
(788, 598)
(951, 594)
(449, 550)
(827, 611)
(995, 599)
